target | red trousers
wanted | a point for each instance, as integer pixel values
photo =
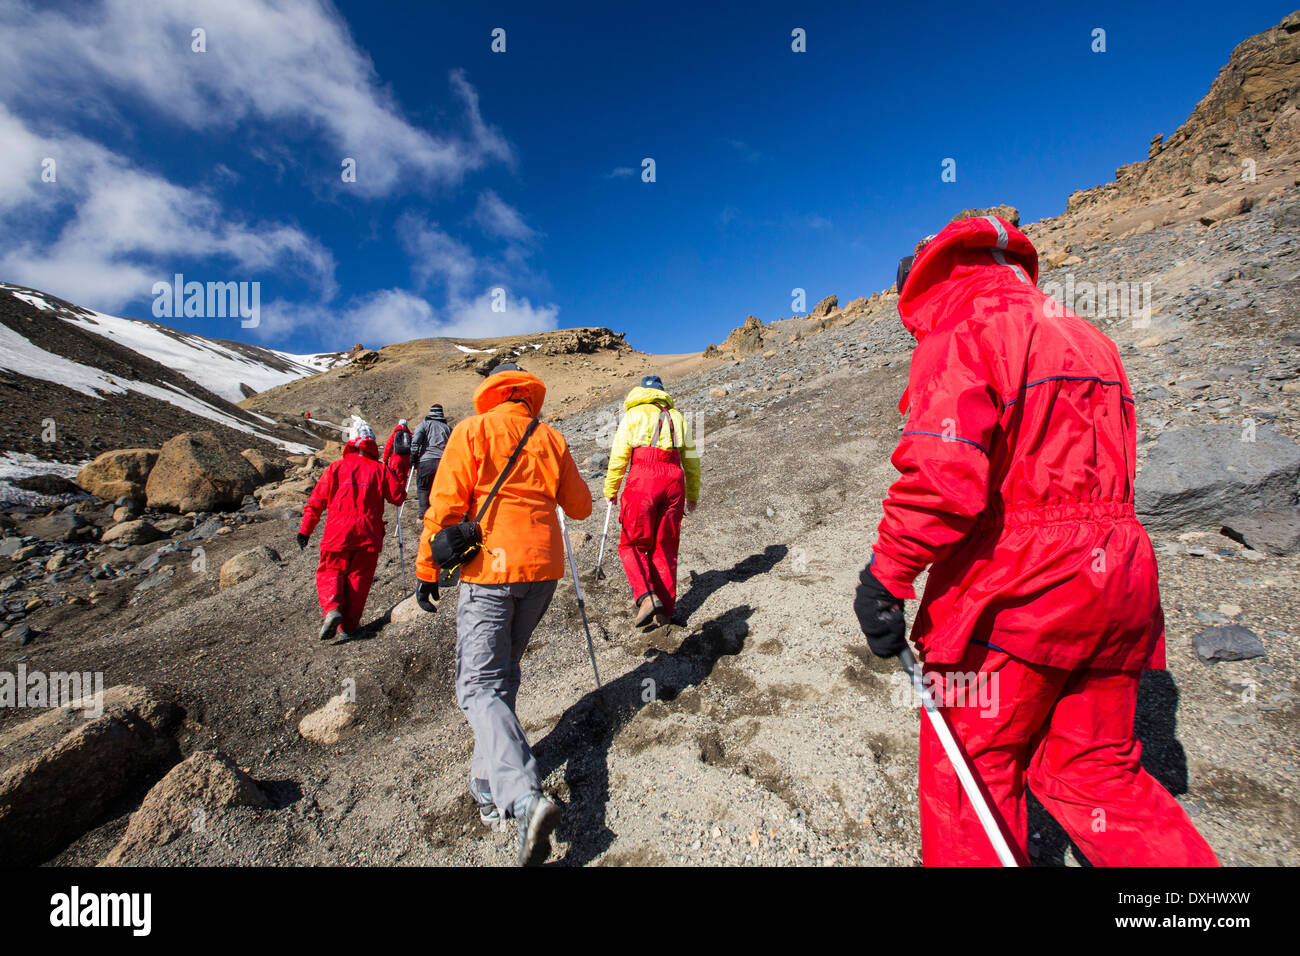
(343, 581)
(654, 500)
(1068, 736)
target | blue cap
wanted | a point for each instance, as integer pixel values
(652, 381)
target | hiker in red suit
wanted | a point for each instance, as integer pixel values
(393, 440)
(353, 490)
(1042, 606)
(654, 448)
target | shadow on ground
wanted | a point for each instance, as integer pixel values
(581, 740)
(703, 586)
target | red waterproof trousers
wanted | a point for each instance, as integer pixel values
(343, 581)
(654, 500)
(1068, 735)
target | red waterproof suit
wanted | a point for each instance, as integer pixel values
(654, 500)
(354, 490)
(1016, 488)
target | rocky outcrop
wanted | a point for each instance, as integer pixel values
(245, 565)
(1275, 532)
(330, 723)
(826, 306)
(66, 767)
(182, 801)
(270, 469)
(1010, 213)
(138, 531)
(195, 472)
(1252, 110)
(1195, 477)
(745, 340)
(117, 474)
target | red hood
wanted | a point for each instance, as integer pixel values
(364, 446)
(969, 257)
(522, 387)
(959, 262)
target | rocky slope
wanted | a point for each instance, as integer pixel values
(74, 382)
(759, 730)
(580, 367)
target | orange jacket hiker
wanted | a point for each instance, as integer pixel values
(521, 534)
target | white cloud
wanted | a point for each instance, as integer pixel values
(126, 228)
(501, 220)
(436, 256)
(110, 228)
(396, 315)
(267, 60)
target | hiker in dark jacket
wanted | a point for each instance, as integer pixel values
(427, 445)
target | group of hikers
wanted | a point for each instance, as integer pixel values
(1016, 472)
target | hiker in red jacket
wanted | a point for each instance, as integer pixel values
(354, 490)
(394, 441)
(1042, 607)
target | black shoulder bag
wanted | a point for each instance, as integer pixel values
(457, 545)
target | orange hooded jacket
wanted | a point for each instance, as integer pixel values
(521, 534)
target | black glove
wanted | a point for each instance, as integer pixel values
(302, 540)
(426, 595)
(402, 442)
(880, 615)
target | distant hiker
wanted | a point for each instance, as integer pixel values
(402, 428)
(353, 490)
(655, 447)
(427, 446)
(506, 586)
(1042, 606)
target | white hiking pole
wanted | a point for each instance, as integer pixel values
(958, 760)
(600, 558)
(401, 551)
(582, 606)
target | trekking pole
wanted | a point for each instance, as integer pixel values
(609, 506)
(958, 760)
(401, 551)
(582, 606)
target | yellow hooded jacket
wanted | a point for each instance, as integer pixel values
(636, 431)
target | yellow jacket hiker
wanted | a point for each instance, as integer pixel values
(636, 431)
(655, 448)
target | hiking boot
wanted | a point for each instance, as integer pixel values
(488, 814)
(540, 816)
(659, 618)
(644, 611)
(331, 626)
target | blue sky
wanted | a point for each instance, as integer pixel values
(521, 170)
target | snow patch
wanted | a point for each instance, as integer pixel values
(214, 366)
(19, 355)
(16, 465)
(35, 300)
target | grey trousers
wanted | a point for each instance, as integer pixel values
(493, 625)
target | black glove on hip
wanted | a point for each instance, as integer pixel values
(426, 595)
(302, 540)
(880, 615)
